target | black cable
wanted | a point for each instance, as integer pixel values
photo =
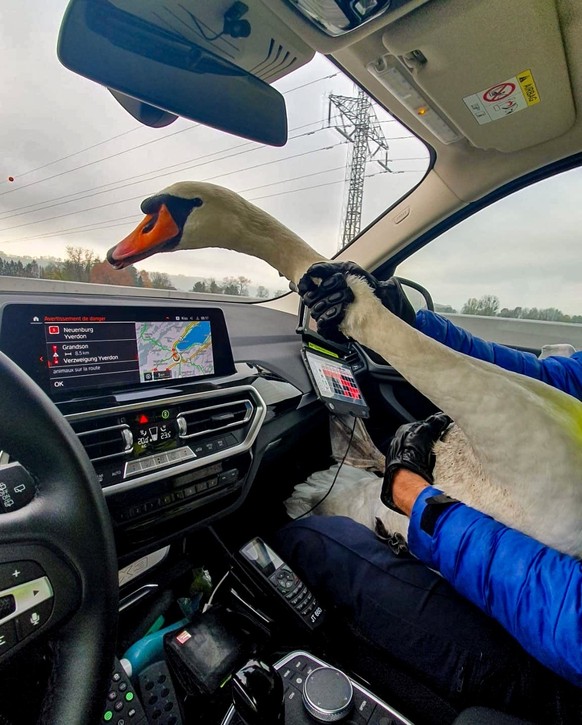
(305, 513)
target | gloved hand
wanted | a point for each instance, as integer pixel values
(412, 448)
(328, 301)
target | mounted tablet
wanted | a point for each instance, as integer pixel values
(335, 383)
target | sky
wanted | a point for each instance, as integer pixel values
(81, 166)
(66, 193)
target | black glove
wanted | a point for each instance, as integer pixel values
(412, 448)
(327, 302)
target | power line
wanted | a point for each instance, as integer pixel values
(106, 158)
(98, 161)
(132, 217)
(8, 214)
(333, 75)
(133, 198)
(328, 183)
(106, 224)
(57, 201)
(76, 153)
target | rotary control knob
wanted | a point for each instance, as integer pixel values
(327, 694)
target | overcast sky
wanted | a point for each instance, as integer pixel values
(49, 113)
(525, 249)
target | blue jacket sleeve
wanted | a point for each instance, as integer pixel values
(534, 592)
(564, 373)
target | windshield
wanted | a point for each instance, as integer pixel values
(76, 167)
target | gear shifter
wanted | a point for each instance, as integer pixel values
(257, 694)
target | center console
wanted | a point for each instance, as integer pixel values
(155, 399)
(315, 691)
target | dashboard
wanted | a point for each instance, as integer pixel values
(177, 405)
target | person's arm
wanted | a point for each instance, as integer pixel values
(533, 591)
(564, 373)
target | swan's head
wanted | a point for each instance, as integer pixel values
(186, 215)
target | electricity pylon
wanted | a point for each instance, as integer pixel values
(359, 124)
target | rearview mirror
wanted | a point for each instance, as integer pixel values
(137, 58)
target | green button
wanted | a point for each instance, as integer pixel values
(129, 696)
(165, 414)
(108, 715)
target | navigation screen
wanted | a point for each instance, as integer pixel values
(78, 348)
(174, 349)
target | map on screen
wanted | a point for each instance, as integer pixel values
(170, 349)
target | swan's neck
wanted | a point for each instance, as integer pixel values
(277, 245)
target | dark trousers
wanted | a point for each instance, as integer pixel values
(414, 621)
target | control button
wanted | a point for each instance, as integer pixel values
(7, 606)
(363, 704)
(132, 468)
(108, 715)
(173, 456)
(118, 707)
(380, 716)
(147, 464)
(186, 452)
(190, 491)
(16, 487)
(167, 499)
(18, 572)
(179, 495)
(116, 475)
(111, 695)
(209, 447)
(228, 476)
(220, 444)
(298, 664)
(199, 450)
(122, 686)
(30, 594)
(8, 636)
(33, 619)
(293, 592)
(161, 459)
(129, 696)
(202, 486)
(213, 482)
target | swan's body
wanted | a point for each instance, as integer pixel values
(523, 464)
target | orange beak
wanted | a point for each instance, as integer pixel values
(149, 237)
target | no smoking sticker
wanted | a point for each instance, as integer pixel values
(503, 99)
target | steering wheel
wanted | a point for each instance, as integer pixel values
(58, 568)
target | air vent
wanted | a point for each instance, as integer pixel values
(214, 418)
(104, 438)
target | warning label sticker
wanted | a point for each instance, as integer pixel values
(510, 96)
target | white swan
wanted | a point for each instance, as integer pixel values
(523, 464)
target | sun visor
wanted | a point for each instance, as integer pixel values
(495, 70)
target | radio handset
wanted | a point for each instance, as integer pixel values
(263, 564)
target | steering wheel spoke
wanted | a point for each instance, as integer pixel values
(39, 591)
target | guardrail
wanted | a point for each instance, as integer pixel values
(533, 334)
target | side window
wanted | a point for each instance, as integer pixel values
(511, 273)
